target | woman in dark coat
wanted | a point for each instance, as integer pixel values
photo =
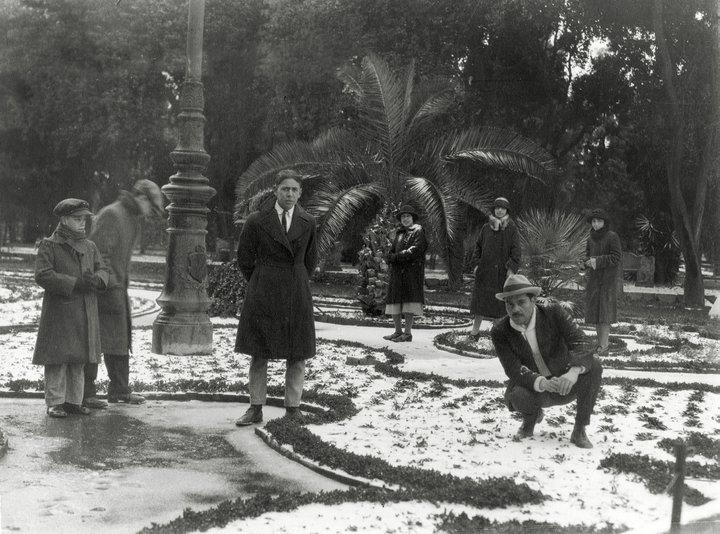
(603, 257)
(70, 269)
(407, 274)
(497, 254)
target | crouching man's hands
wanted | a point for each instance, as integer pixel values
(564, 383)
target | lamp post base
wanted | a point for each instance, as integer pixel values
(182, 334)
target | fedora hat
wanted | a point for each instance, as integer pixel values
(517, 284)
(406, 208)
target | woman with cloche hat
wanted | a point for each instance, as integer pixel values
(407, 274)
(603, 256)
(497, 255)
(70, 269)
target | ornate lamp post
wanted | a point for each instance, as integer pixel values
(183, 326)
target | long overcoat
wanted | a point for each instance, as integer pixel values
(407, 266)
(276, 321)
(496, 251)
(115, 229)
(69, 331)
(601, 288)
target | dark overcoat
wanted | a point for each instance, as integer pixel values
(496, 251)
(115, 229)
(69, 331)
(407, 266)
(601, 288)
(562, 345)
(276, 321)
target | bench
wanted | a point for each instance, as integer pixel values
(642, 268)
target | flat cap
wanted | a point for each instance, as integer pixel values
(72, 206)
(151, 190)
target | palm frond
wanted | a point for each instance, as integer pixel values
(409, 90)
(382, 106)
(438, 205)
(337, 211)
(431, 109)
(499, 148)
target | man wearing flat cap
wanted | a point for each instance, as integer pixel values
(70, 269)
(115, 231)
(546, 359)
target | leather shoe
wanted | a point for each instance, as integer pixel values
(127, 398)
(474, 337)
(94, 403)
(251, 416)
(393, 336)
(527, 428)
(294, 413)
(579, 438)
(56, 411)
(76, 409)
(403, 337)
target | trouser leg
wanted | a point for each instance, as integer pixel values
(588, 387)
(524, 400)
(258, 380)
(477, 323)
(118, 369)
(294, 380)
(91, 371)
(55, 384)
(75, 382)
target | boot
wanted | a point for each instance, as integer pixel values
(251, 416)
(391, 337)
(127, 398)
(579, 438)
(76, 409)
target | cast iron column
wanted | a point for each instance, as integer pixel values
(183, 326)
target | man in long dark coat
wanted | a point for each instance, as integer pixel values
(115, 231)
(546, 359)
(277, 254)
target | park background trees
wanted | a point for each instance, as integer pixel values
(88, 93)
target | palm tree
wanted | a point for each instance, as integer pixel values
(395, 153)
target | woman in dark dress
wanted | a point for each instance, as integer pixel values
(497, 255)
(603, 257)
(407, 274)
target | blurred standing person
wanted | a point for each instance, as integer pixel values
(497, 255)
(406, 294)
(277, 254)
(603, 256)
(115, 232)
(70, 269)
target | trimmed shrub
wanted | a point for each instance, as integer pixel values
(226, 289)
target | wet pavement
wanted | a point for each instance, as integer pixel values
(126, 467)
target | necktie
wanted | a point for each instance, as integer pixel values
(285, 221)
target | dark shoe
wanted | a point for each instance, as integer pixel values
(527, 428)
(251, 416)
(294, 414)
(76, 409)
(127, 398)
(56, 411)
(474, 337)
(579, 438)
(94, 403)
(393, 336)
(602, 351)
(403, 337)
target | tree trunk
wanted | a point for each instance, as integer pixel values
(455, 264)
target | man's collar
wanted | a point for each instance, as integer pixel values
(530, 326)
(279, 210)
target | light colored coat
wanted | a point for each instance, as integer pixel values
(69, 330)
(115, 229)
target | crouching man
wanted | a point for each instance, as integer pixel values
(546, 359)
